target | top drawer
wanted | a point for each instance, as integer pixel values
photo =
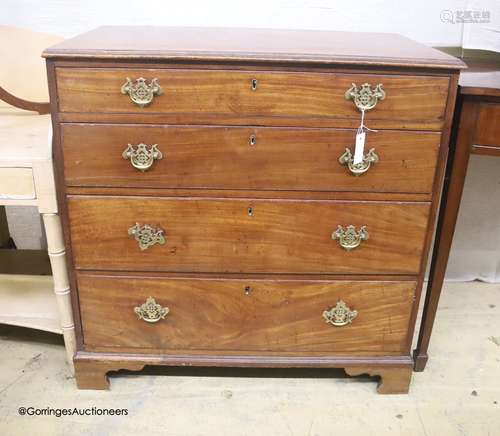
(249, 97)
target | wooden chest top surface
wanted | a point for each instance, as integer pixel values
(231, 44)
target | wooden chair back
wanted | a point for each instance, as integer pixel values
(23, 78)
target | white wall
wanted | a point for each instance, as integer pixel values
(419, 20)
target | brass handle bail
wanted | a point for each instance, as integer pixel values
(151, 311)
(146, 235)
(362, 167)
(340, 315)
(350, 238)
(142, 156)
(140, 92)
(364, 97)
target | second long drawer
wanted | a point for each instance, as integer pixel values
(155, 156)
(246, 235)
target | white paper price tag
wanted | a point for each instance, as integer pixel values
(359, 148)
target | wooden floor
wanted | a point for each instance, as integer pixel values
(458, 394)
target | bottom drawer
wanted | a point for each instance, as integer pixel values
(217, 316)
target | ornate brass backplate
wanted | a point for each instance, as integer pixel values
(141, 93)
(349, 237)
(146, 235)
(151, 311)
(142, 156)
(364, 97)
(339, 315)
(361, 167)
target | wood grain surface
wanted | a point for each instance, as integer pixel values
(240, 193)
(222, 158)
(234, 44)
(249, 264)
(226, 97)
(218, 235)
(244, 315)
(487, 130)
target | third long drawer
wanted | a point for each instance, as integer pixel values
(246, 235)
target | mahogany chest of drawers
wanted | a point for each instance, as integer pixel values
(216, 211)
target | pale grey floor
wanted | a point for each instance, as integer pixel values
(458, 394)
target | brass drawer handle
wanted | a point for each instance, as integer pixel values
(141, 93)
(141, 157)
(340, 315)
(364, 97)
(349, 238)
(361, 167)
(151, 311)
(146, 235)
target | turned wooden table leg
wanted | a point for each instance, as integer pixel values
(393, 380)
(448, 212)
(57, 255)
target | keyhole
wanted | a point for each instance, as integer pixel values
(250, 211)
(252, 140)
(248, 290)
(254, 84)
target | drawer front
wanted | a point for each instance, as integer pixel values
(245, 235)
(488, 129)
(243, 97)
(245, 158)
(245, 315)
